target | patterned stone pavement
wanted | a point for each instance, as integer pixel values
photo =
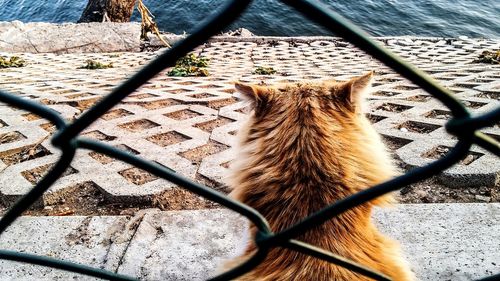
(188, 124)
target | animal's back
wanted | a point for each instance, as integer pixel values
(304, 147)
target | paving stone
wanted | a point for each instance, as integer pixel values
(95, 241)
(181, 245)
(204, 111)
(441, 241)
(447, 241)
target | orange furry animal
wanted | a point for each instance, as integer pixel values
(305, 146)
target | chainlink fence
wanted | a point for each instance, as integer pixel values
(464, 126)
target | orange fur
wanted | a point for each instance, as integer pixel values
(304, 147)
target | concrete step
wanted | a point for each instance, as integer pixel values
(442, 242)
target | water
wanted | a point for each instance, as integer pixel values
(440, 18)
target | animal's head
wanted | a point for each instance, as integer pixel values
(312, 123)
(336, 106)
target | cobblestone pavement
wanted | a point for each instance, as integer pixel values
(188, 124)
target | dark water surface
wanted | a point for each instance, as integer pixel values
(440, 18)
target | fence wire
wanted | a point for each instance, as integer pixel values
(464, 126)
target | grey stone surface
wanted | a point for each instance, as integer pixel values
(441, 241)
(95, 241)
(447, 241)
(200, 116)
(39, 37)
(182, 245)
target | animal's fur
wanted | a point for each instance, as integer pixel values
(304, 147)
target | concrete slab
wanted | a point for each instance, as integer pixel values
(441, 241)
(447, 241)
(182, 245)
(95, 241)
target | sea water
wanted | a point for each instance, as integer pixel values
(438, 18)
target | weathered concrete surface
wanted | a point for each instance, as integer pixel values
(39, 37)
(182, 245)
(188, 124)
(441, 241)
(447, 241)
(94, 241)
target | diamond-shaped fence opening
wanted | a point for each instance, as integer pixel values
(98, 135)
(183, 114)
(417, 127)
(11, 137)
(168, 138)
(440, 151)
(439, 114)
(137, 176)
(67, 138)
(139, 125)
(116, 113)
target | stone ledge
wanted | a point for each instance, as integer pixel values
(441, 241)
(63, 38)
(40, 37)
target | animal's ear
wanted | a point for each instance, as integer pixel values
(354, 90)
(253, 93)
